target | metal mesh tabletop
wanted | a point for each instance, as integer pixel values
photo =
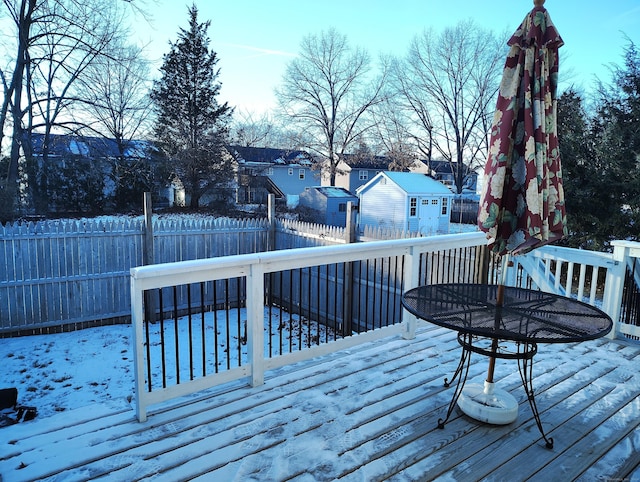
(525, 315)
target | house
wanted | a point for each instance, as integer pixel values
(74, 172)
(262, 171)
(330, 201)
(355, 171)
(444, 172)
(405, 200)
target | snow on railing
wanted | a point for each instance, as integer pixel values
(254, 267)
(594, 278)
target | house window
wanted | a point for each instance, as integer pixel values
(413, 206)
(270, 171)
(301, 174)
(444, 205)
(291, 171)
(342, 207)
(364, 175)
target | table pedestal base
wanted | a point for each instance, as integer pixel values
(488, 404)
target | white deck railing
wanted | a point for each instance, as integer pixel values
(591, 267)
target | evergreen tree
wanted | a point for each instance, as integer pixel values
(601, 157)
(192, 126)
(590, 208)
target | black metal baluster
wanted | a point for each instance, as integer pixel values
(228, 322)
(148, 343)
(203, 330)
(189, 317)
(162, 354)
(241, 337)
(216, 361)
(175, 331)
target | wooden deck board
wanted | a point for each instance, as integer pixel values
(368, 413)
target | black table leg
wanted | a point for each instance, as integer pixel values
(525, 366)
(461, 373)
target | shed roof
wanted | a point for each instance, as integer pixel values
(411, 183)
(333, 191)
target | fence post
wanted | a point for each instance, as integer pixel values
(614, 284)
(255, 322)
(148, 256)
(411, 278)
(271, 208)
(350, 230)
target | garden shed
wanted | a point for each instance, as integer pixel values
(330, 202)
(405, 200)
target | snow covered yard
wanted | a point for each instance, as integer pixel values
(63, 371)
(58, 372)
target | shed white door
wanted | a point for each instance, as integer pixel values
(429, 215)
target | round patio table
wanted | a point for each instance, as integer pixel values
(511, 329)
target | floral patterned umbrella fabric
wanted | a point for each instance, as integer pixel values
(522, 201)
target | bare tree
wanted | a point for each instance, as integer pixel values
(448, 83)
(114, 91)
(393, 136)
(251, 130)
(56, 40)
(326, 92)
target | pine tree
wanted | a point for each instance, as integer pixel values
(191, 125)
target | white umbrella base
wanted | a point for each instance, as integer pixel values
(488, 404)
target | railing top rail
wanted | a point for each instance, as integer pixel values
(183, 272)
(593, 258)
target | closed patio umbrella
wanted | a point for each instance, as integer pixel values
(522, 201)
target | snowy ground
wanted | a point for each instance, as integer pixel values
(60, 372)
(63, 371)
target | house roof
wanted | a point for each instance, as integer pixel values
(268, 155)
(445, 167)
(333, 191)
(373, 162)
(89, 147)
(411, 183)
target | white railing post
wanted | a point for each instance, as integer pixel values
(137, 320)
(411, 279)
(255, 323)
(614, 285)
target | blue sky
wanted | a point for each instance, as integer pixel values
(254, 39)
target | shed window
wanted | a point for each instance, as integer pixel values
(291, 171)
(342, 207)
(413, 206)
(301, 173)
(445, 202)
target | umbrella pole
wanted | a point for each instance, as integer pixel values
(499, 303)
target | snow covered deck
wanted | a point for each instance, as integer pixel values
(365, 414)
